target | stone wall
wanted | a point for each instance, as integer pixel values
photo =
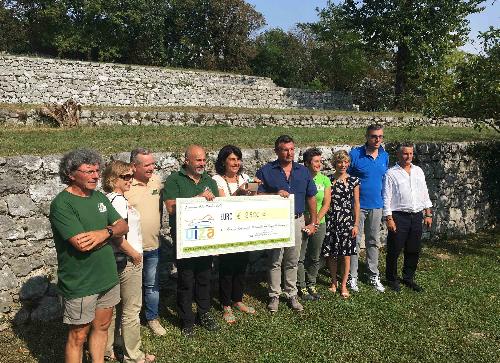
(458, 181)
(42, 80)
(29, 117)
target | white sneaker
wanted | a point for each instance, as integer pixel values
(375, 282)
(353, 283)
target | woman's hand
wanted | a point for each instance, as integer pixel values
(354, 231)
(136, 258)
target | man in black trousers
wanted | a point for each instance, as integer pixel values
(406, 206)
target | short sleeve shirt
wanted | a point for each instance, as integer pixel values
(370, 172)
(300, 182)
(82, 273)
(180, 185)
(322, 182)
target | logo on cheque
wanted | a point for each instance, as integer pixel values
(200, 229)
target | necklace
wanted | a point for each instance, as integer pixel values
(237, 183)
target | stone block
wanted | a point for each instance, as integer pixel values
(46, 190)
(10, 229)
(37, 228)
(34, 288)
(31, 163)
(3, 206)
(20, 205)
(6, 302)
(48, 309)
(22, 266)
(11, 184)
(7, 279)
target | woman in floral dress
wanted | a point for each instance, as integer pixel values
(342, 221)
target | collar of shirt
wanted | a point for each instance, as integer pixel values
(183, 172)
(380, 150)
(276, 165)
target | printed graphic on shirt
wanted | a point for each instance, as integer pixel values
(102, 208)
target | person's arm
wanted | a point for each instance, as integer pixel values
(127, 248)
(427, 202)
(327, 199)
(387, 197)
(88, 241)
(311, 205)
(356, 209)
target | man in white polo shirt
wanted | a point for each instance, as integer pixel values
(406, 205)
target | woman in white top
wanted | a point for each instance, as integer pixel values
(128, 254)
(232, 267)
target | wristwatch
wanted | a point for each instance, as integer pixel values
(110, 231)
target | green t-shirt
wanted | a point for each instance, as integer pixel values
(180, 185)
(322, 182)
(82, 273)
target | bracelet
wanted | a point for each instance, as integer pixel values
(356, 225)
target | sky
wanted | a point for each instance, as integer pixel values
(286, 13)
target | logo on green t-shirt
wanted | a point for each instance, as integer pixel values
(102, 208)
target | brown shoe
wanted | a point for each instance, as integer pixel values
(156, 327)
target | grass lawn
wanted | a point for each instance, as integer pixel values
(456, 319)
(108, 140)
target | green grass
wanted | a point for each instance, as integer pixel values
(108, 140)
(456, 319)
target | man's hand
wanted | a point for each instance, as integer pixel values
(354, 231)
(137, 258)
(283, 193)
(391, 225)
(207, 194)
(428, 222)
(87, 241)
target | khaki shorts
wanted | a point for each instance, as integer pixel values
(81, 310)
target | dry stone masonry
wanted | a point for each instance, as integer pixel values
(456, 176)
(93, 117)
(43, 80)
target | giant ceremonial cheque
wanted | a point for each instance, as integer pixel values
(230, 224)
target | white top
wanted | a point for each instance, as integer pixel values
(131, 215)
(221, 183)
(405, 192)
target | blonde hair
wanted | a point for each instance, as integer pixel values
(112, 172)
(339, 156)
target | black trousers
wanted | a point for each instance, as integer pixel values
(408, 237)
(193, 278)
(232, 269)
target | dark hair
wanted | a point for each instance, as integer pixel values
(309, 154)
(405, 144)
(71, 161)
(220, 163)
(283, 139)
(374, 127)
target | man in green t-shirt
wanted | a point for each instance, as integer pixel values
(82, 221)
(193, 274)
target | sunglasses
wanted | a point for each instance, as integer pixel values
(126, 177)
(376, 136)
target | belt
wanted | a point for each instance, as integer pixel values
(407, 213)
(298, 215)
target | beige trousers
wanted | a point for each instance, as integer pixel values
(125, 325)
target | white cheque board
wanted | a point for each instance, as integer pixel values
(233, 224)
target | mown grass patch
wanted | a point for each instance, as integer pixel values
(108, 140)
(454, 320)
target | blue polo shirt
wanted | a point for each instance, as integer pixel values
(300, 183)
(370, 172)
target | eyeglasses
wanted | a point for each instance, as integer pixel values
(126, 177)
(89, 172)
(376, 136)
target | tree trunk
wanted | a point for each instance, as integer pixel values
(402, 57)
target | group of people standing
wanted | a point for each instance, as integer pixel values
(331, 215)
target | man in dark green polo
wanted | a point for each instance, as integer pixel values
(192, 273)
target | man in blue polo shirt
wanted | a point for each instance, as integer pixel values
(284, 177)
(369, 163)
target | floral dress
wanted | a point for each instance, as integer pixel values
(340, 219)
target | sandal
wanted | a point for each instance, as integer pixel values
(345, 294)
(228, 315)
(244, 308)
(148, 358)
(333, 288)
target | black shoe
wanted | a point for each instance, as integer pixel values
(313, 292)
(305, 295)
(187, 331)
(394, 285)
(208, 322)
(413, 285)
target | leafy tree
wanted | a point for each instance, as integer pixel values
(419, 33)
(211, 34)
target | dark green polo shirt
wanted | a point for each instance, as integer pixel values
(180, 185)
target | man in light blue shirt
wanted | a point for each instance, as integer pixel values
(369, 163)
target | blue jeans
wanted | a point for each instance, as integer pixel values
(151, 283)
